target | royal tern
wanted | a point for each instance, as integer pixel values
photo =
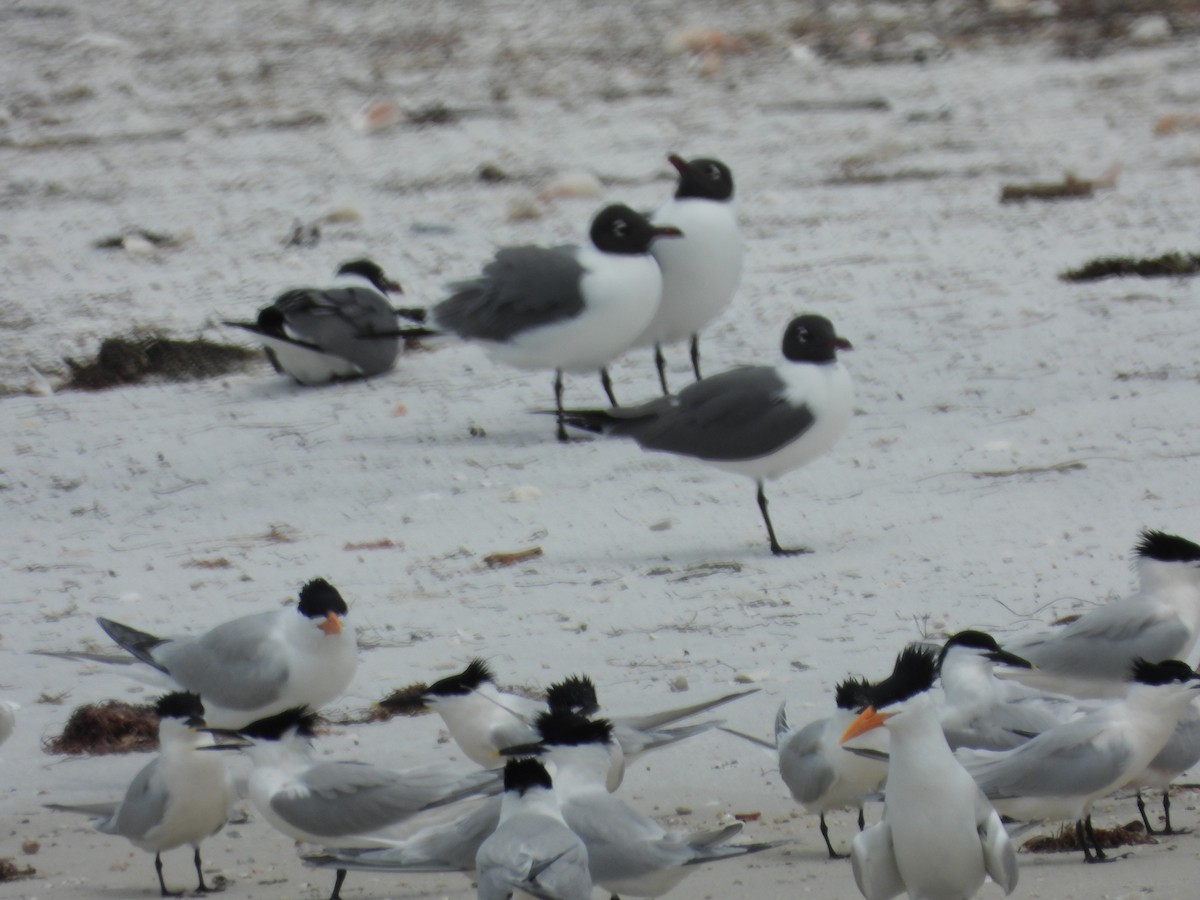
(570, 309)
(532, 850)
(701, 271)
(758, 421)
(1090, 656)
(258, 665)
(317, 335)
(180, 797)
(939, 838)
(1061, 772)
(339, 803)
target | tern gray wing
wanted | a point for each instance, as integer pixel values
(237, 665)
(802, 764)
(999, 856)
(873, 859)
(650, 721)
(144, 805)
(344, 798)
(520, 289)
(537, 855)
(739, 414)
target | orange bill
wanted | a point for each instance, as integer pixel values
(332, 624)
(868, 720)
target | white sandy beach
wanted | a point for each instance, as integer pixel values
(1013, 433)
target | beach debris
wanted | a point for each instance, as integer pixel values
(1071, 465)
(383, 544)
(113, 726)
(1168, 265)
(1174, 123)
(405, 701)
(1072, 187)
(376, 116)
(501, 560)
(707, 47)
(10, 871)
(303, 235)
(137, 357)
(219, 562)
(1065, 840)
(141, 240)
(570, 184)
(491, 173)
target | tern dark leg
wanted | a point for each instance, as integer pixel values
(1141, 805)
(862, 822)
(833, 854)
(696, 355)
(558, 407)
(606, 381)
(337, 885)
(775, 547)
(162, 884)
(661, 362)
(201, 887)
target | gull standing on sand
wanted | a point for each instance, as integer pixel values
(569, 308)
(701, 271)
(257, 665)
(318, 335)
(758, 421)
(180, 797)
(1092, 656)
(939, 838)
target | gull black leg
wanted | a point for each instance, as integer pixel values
(833, 854)
(862, 822)
(340, 876)
(161, 883)
(1090, 835)
(558, 407)
(201, 887)
(1141, 805)
(1167, 829)
(696, 355)
(661, 362)
(775, 546)
(606, 381)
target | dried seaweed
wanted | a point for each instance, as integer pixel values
(1169, 265)
(133, 359)
(405, 701)
(97, 729)
(1065, 839)
(10, 871)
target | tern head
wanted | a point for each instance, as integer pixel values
(1166, 561)
(470, 679)
(565, 728)
(372, 272)
(913, 675)
(852, 693)
(983, 645)
(618, 229)
(575, 693)
(811, 339)
(298, 721)
(320, 601)
(182, 706)
(525, 773)
(703, 179)
(1169, 671)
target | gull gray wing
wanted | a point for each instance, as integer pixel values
(520, 289)
(873, 860)
(143, 807)
(358, 310)
(999, 856)
(739, 414)
(344, 798)
(802, 765)
(237, 665)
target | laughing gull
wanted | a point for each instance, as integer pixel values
(1090, 656)
(759, 421)
(318, 335)
(180, 797)
(1060, 773)
(570, 308)
(939, 837)
(701, 271)
(257, 665)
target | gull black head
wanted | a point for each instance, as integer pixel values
(703, 179)
(620, 230)
(576, 693)
(1167, 548)
(914, 673)
(319, 598)
(564, 729)
(1169, 671)
(372, 272)
(853, 693)
(981, 640)
(181, 705)
(273, 728)
(810, 338)
(522, 774)
(462, 683)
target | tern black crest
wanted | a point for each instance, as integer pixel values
(915, 671)
(618, 229)
(811, 338)
(703, 179)
(576, 693)
(1168, 671)
(180, 705)
(372, 272)
(272, 728)
(853, 693)
(1167, 548)
(976, 640)
(522, 774)
(571, 729)
(462, 683)
(319, 598)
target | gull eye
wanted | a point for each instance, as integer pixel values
(714, 173)
(620, 226)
